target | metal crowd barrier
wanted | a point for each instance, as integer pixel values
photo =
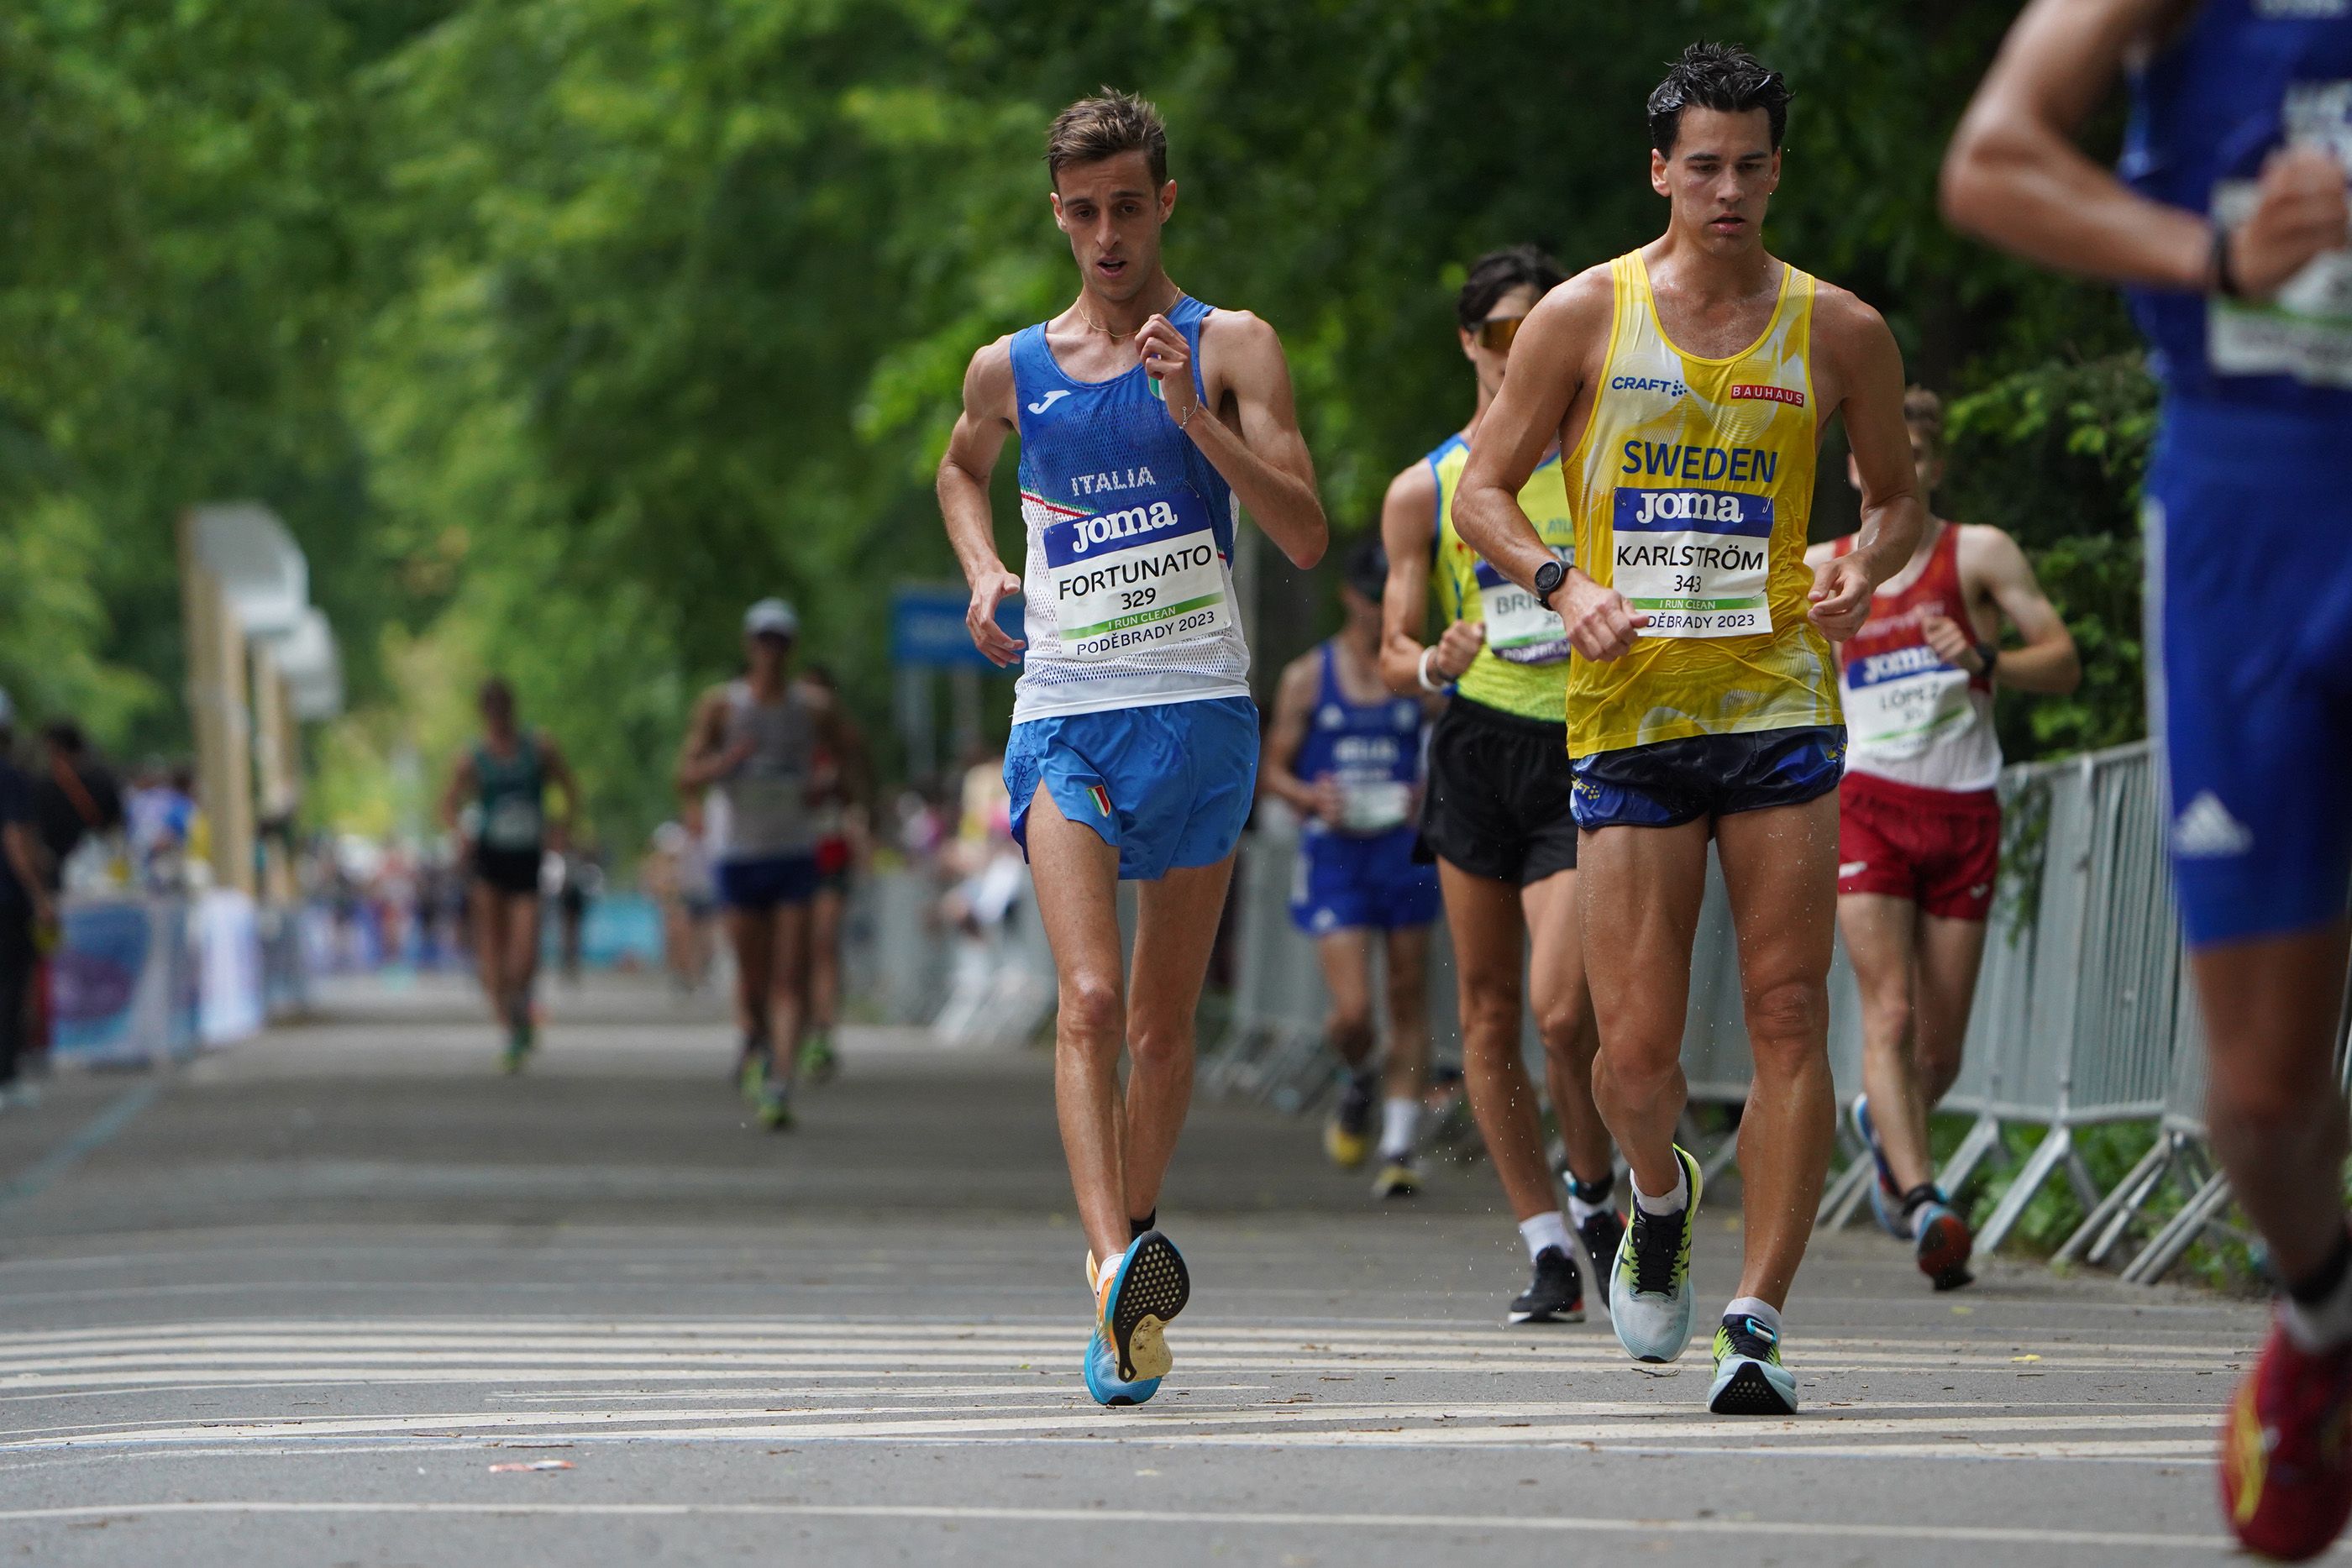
(2083, 1013)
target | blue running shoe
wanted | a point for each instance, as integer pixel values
(1885, 1197)
(1146, 1289)
(1942, 1244)
(1748, 1377)
(1650, 1286)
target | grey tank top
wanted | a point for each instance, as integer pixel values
(767, 799)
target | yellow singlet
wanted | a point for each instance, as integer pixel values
(1523, 668)
(1693, 486)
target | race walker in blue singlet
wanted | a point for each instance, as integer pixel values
(1359, 873)
(2249, 610)
(1133, 705)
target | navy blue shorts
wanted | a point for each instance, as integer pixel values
(1369, 881)
(1166, 785)
(1670, 782)
(758, 885)
(2250, 617)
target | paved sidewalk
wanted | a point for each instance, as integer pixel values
(292, 1305)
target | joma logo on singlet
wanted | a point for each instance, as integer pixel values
(1877, 667)
(1687, 507)
(1087, 532)
(1116, 479)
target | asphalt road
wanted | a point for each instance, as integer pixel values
(300, 1301)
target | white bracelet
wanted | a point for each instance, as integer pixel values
(1426, 683)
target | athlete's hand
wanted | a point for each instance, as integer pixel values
(1330, 802)
(1168, 359)
(990, 589)
(735, 756)
(1600, 624)
(1841, 597)
(1457, 648)
(2300, 211)
(1952, 645)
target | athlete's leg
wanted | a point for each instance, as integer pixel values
(1640, 903)
(1077, 879)
(2276, 1114)
(1175, 927)
(825, 913)
(1347, 959)
(788, 968)
(521, 912)
(751, 933)
(1563, 1009)
(1780, 868)
(1951, 952)
(1406, 1071)
(1882, 941)
(1489, 934)
(490, 944)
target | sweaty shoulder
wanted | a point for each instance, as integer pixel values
(1411, 496)
(1582, 304)
(1238, 347)
(1843, 322)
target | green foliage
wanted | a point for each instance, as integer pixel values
(562, 329)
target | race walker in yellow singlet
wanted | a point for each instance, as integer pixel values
(1693, 485)
(1522, 670)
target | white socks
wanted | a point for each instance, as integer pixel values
(1545, 1230)
(1399, 1119)
(1674, 1202)
(1756, 1307)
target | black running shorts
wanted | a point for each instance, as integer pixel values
(511, 872)
(1500, 798)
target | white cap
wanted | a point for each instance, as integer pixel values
(771, 617)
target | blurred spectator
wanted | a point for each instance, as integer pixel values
(75, 797)
(28, 914)
(676, 875)
(160, 815)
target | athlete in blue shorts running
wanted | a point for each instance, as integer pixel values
(1146, 420)
(2230, 230)
(1345, 753)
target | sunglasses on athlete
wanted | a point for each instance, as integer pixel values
(1495, 334)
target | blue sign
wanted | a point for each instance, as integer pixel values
(927, 633)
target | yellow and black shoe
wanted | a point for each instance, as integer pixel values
(1399, 1177)
(1348, 1135)
(1748, 1377)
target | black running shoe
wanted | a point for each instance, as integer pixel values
(1601, 1231)
(1555, 1295)
(1347, 1136)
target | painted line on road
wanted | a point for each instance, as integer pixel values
(1094, 1518)
(92, 1135)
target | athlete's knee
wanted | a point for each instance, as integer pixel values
(2270, 1098)
(1490, 1012)
(1564, 1027)
(1792, 1011)
(1348, 1024)
(1093, 1011)
(1159, 1042)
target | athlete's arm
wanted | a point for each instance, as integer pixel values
(1267, 461)
(2014, 176)
(1294, 706)
(557, 770)
(1993, 566)
(964, 469)
(1409, 533)
(453, 796)
(1556, 343)
(704, 759)
(1852, 343)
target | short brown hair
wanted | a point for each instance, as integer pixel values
(1926, 410)
(1104, 127)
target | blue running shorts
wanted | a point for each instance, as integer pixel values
(1670, 782)
(1361, 882)
(2250, 622)
(1167, 785)
(759, 885)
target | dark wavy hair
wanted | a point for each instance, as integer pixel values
(1722, 77)
(1499, 272)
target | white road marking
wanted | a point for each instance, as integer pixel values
(1095, 1518)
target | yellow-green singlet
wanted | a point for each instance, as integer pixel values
(1523, 668)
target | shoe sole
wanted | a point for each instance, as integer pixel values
(1153, 1286)
(1944, 1249)
(1749, 1391)
(1574, 1315)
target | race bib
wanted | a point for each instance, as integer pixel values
(1519, 628)
(2305, 332)
(1899, 704)
(513, 824)
(1147, 575)
(1373, 806)
(1695, 561)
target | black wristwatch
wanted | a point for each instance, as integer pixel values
(1549, 577)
